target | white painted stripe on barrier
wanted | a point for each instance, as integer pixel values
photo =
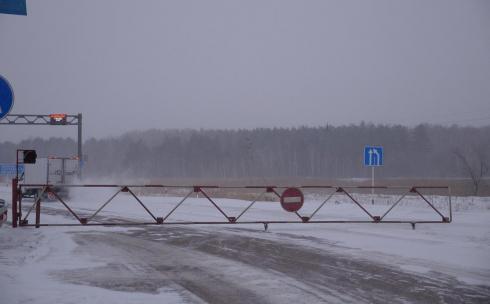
(292, 199)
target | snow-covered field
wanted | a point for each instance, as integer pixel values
(42, 265)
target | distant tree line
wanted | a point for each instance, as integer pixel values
(320, 152)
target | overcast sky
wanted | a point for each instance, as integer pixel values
(243, 64)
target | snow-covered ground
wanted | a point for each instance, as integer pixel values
(31, 258)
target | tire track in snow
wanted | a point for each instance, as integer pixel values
(307, 274)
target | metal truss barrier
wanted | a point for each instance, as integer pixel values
(40, 119)
(204, 191)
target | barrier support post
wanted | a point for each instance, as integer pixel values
(14, 202)
(38, 213)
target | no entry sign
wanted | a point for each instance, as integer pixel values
(292, 199)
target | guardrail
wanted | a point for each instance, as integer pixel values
(206, 193)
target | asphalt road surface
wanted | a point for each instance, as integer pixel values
(213, 266)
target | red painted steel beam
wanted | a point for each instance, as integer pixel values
(64, 204)
(236, 187)
(178, 205)
(230, 220)
(14, 202)
(143, 205)
(341, 190)
(38, 213)
(395, 204)
(102, 207)
(217, 207)
(237, 223)
(435, 209)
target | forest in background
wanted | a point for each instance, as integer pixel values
(424, 151)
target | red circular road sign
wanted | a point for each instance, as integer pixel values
(292, 199)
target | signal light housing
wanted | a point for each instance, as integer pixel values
(57, 119)
(30, 156)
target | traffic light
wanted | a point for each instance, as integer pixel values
(30, 156)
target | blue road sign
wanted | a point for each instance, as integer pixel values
(373, 156)
(6, 97)
(10, 170)
(13, 7)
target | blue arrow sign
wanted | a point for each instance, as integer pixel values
(10, 169)
(373, 156)
(6, 97)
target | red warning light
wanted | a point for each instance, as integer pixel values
(57, 119)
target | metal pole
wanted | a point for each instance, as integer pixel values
(372, 185)
(47, 170)
(14, 202)
(63, 170)
(17, 164)
(450, 205)
(80, 160)
(38, 212)
(19, 199)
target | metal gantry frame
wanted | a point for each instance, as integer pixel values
(46, 120)
(91, 220)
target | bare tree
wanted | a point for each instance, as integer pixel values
(475, 166)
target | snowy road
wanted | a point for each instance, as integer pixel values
(244, 264)
(225, 268)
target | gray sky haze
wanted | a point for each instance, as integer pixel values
(243, 64)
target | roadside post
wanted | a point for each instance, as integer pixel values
(373, 157)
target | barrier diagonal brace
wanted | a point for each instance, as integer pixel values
(340, 189)
(322, 204)
(217, 207)
(64, 204)
(141, 203)
(414, 189)
(275, 192)
(395, 204)
(178, 205)
(103, 206)
(302, 218)
(35, 202)
(251, 204)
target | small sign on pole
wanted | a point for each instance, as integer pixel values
(373, 157)
(10, 170)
